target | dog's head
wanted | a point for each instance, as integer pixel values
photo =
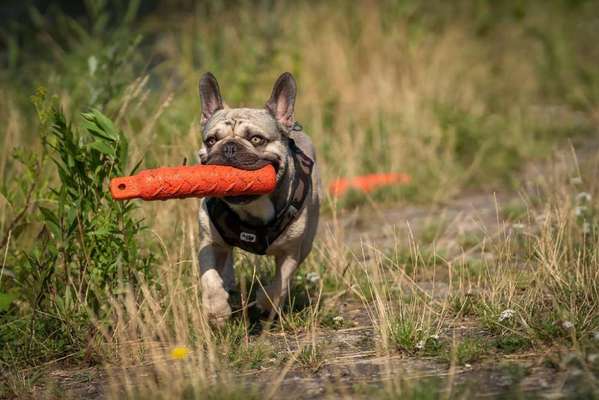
(247, 138)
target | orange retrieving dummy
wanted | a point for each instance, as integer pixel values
(366, 183)
(193, 181)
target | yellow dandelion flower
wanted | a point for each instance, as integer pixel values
(179, 352)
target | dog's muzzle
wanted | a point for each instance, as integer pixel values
(236, 155)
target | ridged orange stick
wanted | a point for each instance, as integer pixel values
(193, 181)
(367, 183)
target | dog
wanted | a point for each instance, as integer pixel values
(280, 224)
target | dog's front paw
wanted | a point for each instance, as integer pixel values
(216, 305)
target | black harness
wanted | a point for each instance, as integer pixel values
(257, 238)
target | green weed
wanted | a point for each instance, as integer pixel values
(310, 357)
(469, 350)
(86, 245)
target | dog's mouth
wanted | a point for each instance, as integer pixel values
(244, 160)
(248, 162)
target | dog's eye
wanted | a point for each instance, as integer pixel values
(210, 141)
(257, 140)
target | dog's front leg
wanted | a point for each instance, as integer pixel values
(271, 297)
(216, 269)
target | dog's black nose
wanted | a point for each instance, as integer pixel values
(229, 150)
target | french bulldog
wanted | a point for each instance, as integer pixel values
(280, 224)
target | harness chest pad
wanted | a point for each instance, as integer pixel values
(257, 238)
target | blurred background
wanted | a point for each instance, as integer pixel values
(458, 95)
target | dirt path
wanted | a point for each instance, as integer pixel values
(348, 360)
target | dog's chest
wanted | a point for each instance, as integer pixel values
(262, 210)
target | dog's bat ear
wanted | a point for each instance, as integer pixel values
(210, 96)
(282, 100)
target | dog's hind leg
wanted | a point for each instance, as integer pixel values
(270, 298)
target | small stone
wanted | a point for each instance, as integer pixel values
(567, 325)
(506, 315)
(312, 277)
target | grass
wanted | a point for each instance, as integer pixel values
(469, 350)
(311, 357)
(436, 90)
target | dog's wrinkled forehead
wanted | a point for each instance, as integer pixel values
(260, 120)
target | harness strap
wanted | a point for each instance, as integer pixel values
(257, 238)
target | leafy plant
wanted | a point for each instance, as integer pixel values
(86, 243)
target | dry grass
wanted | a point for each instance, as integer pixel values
(409, 316)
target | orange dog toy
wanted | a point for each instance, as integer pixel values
(193, 181)
(366, 183)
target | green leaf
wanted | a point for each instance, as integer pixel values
(51, 220)
(103, 148)
(96, 130)
(123, 155)
(71, 220)
(105, 124)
